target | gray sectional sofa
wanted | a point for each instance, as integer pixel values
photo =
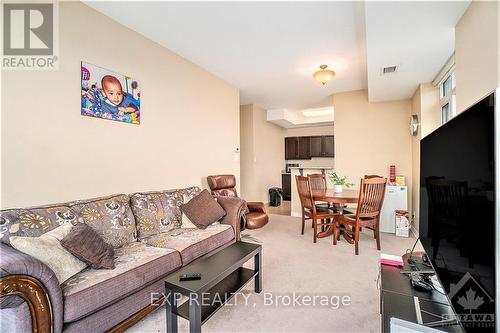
(149, 240)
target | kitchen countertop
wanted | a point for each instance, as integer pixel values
(313, 167)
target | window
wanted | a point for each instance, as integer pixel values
(447, 97)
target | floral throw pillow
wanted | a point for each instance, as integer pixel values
(156, 212)
(33, 222)
(111, 217)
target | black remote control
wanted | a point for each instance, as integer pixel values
(191, 276)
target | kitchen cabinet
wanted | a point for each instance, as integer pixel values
(322, 146)
(305, 147)
(297, 148)
(286, 186)
(291, 148)
(328, 146)
(303, 152)
(316, 143)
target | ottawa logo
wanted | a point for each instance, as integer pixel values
(472, 303)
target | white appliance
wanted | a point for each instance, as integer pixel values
(396, 198)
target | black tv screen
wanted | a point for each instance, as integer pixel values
(457, 212)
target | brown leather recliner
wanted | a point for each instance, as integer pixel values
(224, 185)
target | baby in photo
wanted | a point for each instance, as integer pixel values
(116, 101)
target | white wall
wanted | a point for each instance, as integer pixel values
(50, 153)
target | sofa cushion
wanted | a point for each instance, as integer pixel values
(111, 217)
(193, 243)
(33, 222)
(203, 210)
(110, 316)
(190, 192)
(136, 265)
(156, 212)
(85, 244)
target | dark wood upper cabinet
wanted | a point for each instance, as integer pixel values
(322, 146)
(328, 146)
(291, 148)
(316, 146)
(305, 147)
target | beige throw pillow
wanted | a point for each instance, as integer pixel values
(186, 222)
(48, 249)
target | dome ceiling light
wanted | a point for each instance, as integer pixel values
(324, 75)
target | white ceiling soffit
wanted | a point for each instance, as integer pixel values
(300, 118)
(417, 37)
(267, 49)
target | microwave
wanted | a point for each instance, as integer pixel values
(291, 165)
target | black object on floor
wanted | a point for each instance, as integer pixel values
(275, 196)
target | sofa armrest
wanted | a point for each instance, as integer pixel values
(235, 208)
(27, 278)
(256, 207)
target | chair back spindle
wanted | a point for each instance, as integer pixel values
(371, 197)
(317, 181)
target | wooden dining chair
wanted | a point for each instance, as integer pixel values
(370, 200)
(311, 211)
(318, 183)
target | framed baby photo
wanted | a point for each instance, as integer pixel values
(110, 95)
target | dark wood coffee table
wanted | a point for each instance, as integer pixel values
(222, 276)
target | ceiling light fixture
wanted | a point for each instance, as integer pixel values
(324, 75)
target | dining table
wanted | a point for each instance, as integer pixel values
(340, 199)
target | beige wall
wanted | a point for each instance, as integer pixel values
(430, 117)
(477, 52)
(262, 153)
(369, 137)
(415, 159)
(308, 131)
(50, 153)
(247, 151)
(425, 104)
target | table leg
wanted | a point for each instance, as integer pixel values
(326, 233)
(170, 307)
(194, 315)
(258, 271)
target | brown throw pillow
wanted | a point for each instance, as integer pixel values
(203, 210)
(86, 244)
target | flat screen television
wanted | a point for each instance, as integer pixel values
(458, 222)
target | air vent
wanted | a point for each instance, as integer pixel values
(389, 70)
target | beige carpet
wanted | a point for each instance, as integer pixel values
(292, 263)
